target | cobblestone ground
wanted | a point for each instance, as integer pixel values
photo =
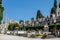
(10, 37)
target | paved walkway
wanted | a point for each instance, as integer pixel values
(10, 37)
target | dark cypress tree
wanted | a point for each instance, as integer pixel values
(55, 6)
(59, 5)
(53, 10)
(1, 11)
(39, 15)
(0, 1)
(55, 3)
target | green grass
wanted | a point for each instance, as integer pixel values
(39, 34)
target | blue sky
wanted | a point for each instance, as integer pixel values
(26, 9)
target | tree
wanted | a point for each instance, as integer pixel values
(1, 11)
(55, 3)
(21, 21)
(55, 6)
(32, 18)
(0, 1)
(12, 26)
(59, 5)
(39, 15)
(53, 10)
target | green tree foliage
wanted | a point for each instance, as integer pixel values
(53, 10)
(0, 1)
(55, 3)
(1, 11)
(21, 21)
(32, 18)
(12, 26)
(59, 5)
(39, 15)
(33, 27)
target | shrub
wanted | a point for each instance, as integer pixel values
(32, 36)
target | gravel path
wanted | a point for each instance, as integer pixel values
(10, 37)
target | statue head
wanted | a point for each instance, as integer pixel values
(0, 1)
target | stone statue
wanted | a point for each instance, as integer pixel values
(0, 1)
